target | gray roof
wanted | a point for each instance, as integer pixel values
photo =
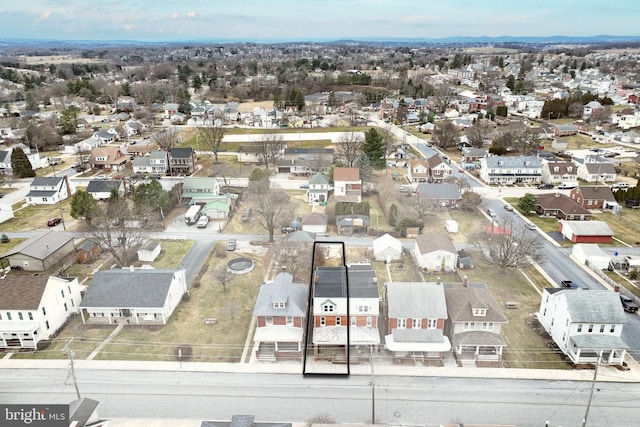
(434, 241)
(439, 191)
(319, 178)
(416, 300)
(141, 161)
(48, 181)
(41, 193)
(42, 246)
(181, 152)
(301, 236)
(513, 162)
(418, 335)
(314, 218)
(282, 289)
(103, 185)
(82, 410)
(594, 306)
(462, 300)
(589, 228)
(129, 289)
(330, 282)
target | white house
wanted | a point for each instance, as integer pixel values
(585, 324)
(510, 170)
(387, 248)
(33, 308)
(6, 212)
(315, 222)
(149, 251)
(138, 297)
(153, 163)
(435, 252)
(591, 254)
(318, 192)
(48, 190)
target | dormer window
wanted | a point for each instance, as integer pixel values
(479, 311)
(363, 308)
(328, 307)
(279, 304)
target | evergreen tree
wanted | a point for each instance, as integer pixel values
(527, 203)
(374, 148)
(20, 164)
(393, 215)
(364, 166)
(83, 205)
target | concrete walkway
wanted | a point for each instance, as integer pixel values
(115, 332)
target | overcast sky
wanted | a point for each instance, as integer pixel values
(315, 19)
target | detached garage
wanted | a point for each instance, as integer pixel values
(586, 231)
(387, 248)
(591, 254)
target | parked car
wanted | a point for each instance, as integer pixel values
(491, 212)
(54, 221)
(628, 304)
(545, 186)
(569, 284)
(202, 221)
(101, 177)
(231, 244)
(508, 208)
(531, 226)
(568, 185)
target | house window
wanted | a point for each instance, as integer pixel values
(44, 199)
(44, 311)
(46, 323)
(589, 203)
(601, 329)
(278, 305)
(72, 304)
(289, 321)
(338, 321)
(354, 321)
(487, 326)
(8, 316)
(328, 308)
(416, 324)
(590, 328)
(363, 308)
(612, 329)
(580, 327)
(432, 323)
(468, 326)
(65, 306)
(479, 311)
(402, 323)
(369, 321)
(268, 320)
(323, 321)
(20, 315)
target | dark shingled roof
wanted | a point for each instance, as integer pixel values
(330, 282)
(22, 292)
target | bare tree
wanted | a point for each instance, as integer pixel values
(319, 162)
(269, 148)
(478, 134)
(511, 245)
(166, 139)
(83, 157)
(445, 135)
(222, 170)
(224, 276)
(271, 205)
(296, 259)
(144, 93)
(112, 92)
(601, 115)
(119, 226)
(349, 147)
(443, 96)
(470, 201)
(388, 142)
(211, 137)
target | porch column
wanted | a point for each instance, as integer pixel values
(500, 350)
(82, 315)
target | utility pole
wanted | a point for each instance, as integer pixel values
(593, 384)
(373, 388)
(67, 350)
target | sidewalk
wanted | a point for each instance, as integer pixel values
(605, 373)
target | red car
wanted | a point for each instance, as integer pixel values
(54, 221)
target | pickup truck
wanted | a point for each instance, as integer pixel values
(628, 304)
(569, 284)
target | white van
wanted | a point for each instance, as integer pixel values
(567, 185)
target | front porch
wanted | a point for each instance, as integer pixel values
(592, 349)
(124, 316)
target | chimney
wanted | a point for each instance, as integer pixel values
(465, 281)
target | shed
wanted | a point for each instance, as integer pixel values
(451, 225)
(387, 248)
(149, 251)
(88, 252)
(591, 254)
(586, 231)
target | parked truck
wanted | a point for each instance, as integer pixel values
(192, 215)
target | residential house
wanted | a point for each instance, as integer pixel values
(557, 172)
(107, 136)
(155, 162)
(474, 324)
(182, 161)
(591, 108)
(108, 158)
(149, 251)
(590, 254)
(438, 169)
(318, 191)
(595, 198)
(435, 252)
(170, 109)
(34, 308)
(465, 260)
(510, 170)
(315, 222)
(387, 248)
(206, 192)
(418, 170)
(586, 231)
(585, 325)
(595, 171)
(564, 130)
(39, 253)
(562, 207)
(292, 166)
(416, 315)
(85, 146)
(471, 157)
(88, 252)
(48, 190)
(141, 147)
(100, 189)
(138, 297)
(333, 312)
(280, 312)
(347, 184)
(439, 195)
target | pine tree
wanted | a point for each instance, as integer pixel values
(20, 164)
(374, 148)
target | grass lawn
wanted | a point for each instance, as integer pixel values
(624, 225)
(172, 254)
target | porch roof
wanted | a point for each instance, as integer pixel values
(395, 346)
(18, 327)
(278, 333)
(481, 338)
(338, 335)
(598, 342)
